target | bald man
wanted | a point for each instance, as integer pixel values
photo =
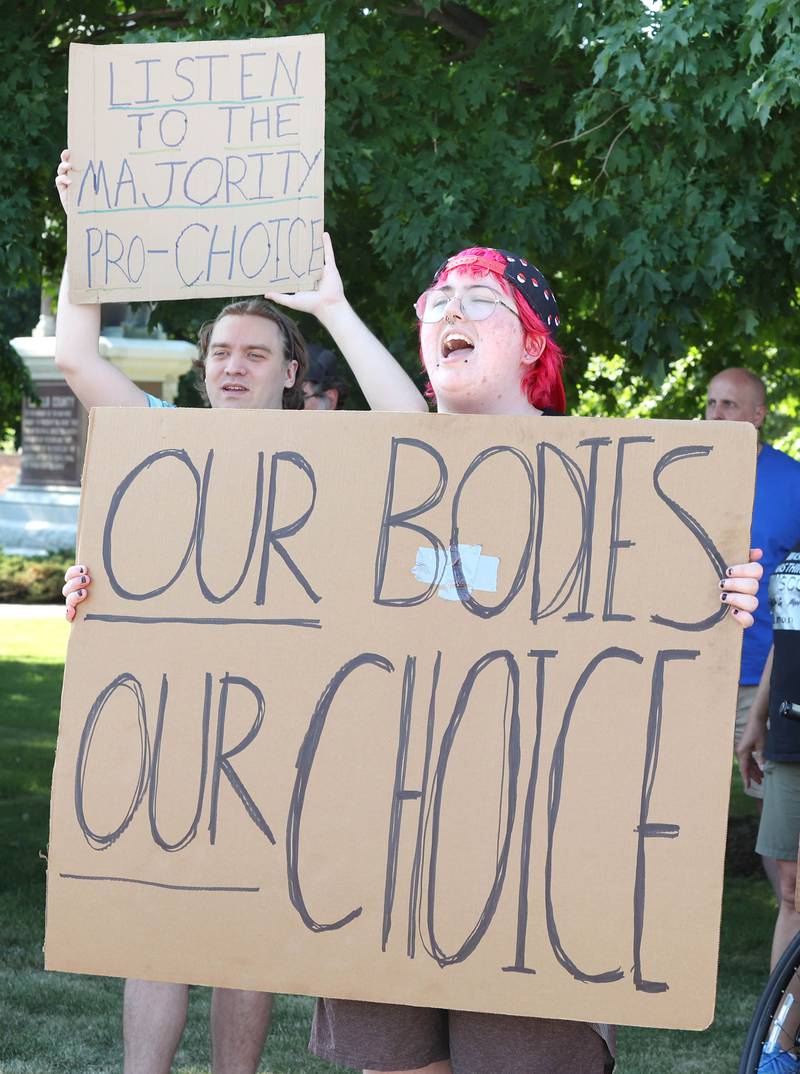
(738, 395)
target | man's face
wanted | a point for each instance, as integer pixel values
(245, 364)
(733, 397)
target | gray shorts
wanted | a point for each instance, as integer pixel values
(744, 700)
(387, 1036)
(779, 829)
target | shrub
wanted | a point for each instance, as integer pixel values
(33, 579)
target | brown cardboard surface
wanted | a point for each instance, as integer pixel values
(280, 767)
(199, 168)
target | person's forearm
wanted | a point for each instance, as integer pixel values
(384, 382)
(77, 330)
(759, 710)
(95, 381)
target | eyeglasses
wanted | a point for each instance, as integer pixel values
(477, 303)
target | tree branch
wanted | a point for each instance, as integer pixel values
(610, 151)
(143, 15)
(461, 23)
(591, 130)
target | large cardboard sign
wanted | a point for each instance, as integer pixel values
(199, 168)
(435, 710)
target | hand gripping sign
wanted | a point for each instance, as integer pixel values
(403, 708)
(199, 168)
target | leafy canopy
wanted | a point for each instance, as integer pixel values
(644, 154)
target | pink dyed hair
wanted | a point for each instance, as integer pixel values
(542, 381)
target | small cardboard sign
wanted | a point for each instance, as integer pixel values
(198, 168)
(431, 710)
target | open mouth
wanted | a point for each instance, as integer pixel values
(456, 346)
(234, 389)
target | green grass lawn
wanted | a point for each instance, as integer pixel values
(59, 1022)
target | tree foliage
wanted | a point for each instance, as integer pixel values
(644, 154)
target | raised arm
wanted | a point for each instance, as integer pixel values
(95, 381)
(384, 382)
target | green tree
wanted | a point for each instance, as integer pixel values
(644, 154)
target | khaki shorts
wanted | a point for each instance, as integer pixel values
(744, 700)
(779, 830)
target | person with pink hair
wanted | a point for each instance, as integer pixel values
(487, 332)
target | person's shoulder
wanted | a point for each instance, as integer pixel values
(777, 459)
(154, 401)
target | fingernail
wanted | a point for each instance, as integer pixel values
(80, 592)
(82, 570)
(735, 611)
(723, 596)
(729, 571)
(83, 579)
(722, 584)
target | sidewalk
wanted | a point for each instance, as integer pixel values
(31, 611)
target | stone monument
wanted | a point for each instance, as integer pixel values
(40, 512)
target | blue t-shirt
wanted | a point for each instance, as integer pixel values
(775, 529)
(153, 401)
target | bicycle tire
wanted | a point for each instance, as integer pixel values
(768, 1006)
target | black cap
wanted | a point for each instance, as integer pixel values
(522, 275)
(322, 364)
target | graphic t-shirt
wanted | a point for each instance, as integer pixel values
(783, 738)
(776, 530)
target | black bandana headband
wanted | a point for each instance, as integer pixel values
(522, 275)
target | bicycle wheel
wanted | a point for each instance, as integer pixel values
(784, 979)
